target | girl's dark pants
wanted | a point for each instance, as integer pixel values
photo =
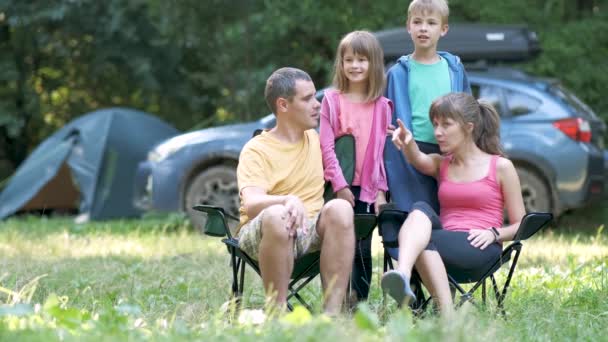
(362, 264)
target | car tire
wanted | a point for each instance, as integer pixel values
(535, 192)
(215, 186)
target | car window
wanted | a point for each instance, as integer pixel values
(520, 103)
(568, 98)
(490, 94)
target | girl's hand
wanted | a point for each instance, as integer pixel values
(402, 137)
(380, 201)
(346, 195)
(481, 238)
(390, 129)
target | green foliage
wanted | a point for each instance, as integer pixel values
(201, 63)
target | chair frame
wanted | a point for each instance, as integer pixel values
(530, 224)
(306, 268)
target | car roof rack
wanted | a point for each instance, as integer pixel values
(471, 42)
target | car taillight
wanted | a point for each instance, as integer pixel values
(576, 128)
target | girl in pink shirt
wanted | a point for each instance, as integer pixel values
(476, 184)
(356, 107)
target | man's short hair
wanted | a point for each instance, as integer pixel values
(282, 83)
(424, 6)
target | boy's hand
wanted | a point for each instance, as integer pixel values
(402, 136)
(346, 195)
(390, 129)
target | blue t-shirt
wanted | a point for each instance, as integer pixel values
(427, 82)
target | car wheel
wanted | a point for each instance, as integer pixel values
(215, 186)
(536, 194)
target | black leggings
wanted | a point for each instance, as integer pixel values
(362, 264)
(462, 261)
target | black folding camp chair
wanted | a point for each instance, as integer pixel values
(389, 222)
(306, 268)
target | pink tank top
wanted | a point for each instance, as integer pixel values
(470, 205)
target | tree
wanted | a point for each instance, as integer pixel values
(200, 63)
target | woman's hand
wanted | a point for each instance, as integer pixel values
(402, 136)
(481, 238)
(346, 195)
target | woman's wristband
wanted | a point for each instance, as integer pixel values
(496, 233)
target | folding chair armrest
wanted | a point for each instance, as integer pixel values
(389, 221)
(364, 225)
(530, 224)
(216, 223)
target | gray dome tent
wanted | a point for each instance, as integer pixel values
(89, 164)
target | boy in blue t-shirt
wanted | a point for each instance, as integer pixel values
(412, 84)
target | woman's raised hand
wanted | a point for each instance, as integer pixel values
(402, 136)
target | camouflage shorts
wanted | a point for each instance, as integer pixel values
(250, 236)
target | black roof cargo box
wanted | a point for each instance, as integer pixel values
(471, 42)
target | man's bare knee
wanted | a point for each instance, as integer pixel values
(273, 223)
(337, 217)
(338, 209)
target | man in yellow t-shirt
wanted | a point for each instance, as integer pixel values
(280, 178)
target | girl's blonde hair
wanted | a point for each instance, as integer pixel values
(463, 108)
(365, 44)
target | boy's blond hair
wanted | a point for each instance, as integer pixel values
(365, 44)
(429, 6)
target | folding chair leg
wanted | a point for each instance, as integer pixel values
(508, 280)
(499, 297)
(235, 270)
(237, 287)
(483, 291)
(388, 262)
(242, 282)
(302, 301)
(294, 293)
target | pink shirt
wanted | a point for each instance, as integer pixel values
(355, 119)
(335, 122)
(470, 205)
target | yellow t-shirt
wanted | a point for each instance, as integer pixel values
(283, 169)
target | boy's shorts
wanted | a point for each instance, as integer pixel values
(250, 236)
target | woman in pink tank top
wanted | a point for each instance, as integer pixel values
(476, 183)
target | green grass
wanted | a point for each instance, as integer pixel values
(155, 279)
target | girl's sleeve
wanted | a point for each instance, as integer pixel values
(331, 168)
(388, 114)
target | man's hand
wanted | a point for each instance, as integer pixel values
(346, 195)
(296, 215)
(481, 238)
(402, 137)
(380, 201)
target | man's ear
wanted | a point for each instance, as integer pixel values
(282, 104)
